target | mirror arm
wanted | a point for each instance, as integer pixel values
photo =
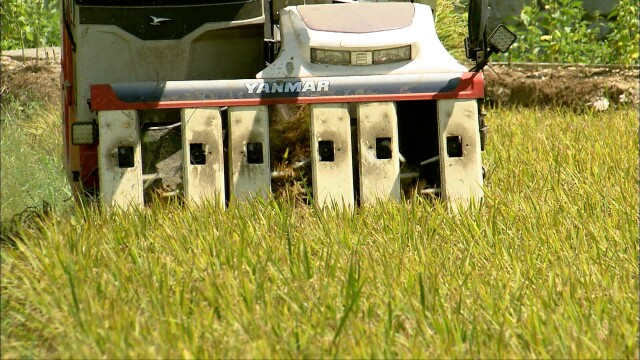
(481, 64)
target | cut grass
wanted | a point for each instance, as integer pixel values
(546, 267)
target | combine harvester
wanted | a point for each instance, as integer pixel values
(175, 95)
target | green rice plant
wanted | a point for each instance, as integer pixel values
(545, 267)
(31, 157)
(451, 26)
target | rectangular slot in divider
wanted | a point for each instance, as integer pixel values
(249, 173)
(460, 158)
(203, 163)
(332, 173)
(120, 159)
(378, 150)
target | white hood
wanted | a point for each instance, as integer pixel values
(411, 24)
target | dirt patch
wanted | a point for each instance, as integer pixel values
(577, 87)
(21, 80)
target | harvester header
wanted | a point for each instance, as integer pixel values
(170, 98)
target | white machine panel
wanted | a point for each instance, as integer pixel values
(332, 172)
(378, 152)
(460, 158)
(120, 159)
(250, 174)
(203, 163)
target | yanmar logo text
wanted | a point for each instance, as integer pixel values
(287, 87)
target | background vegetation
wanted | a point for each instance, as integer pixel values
(30, 23)
(559, 31)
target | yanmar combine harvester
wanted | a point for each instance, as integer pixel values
(176, 94)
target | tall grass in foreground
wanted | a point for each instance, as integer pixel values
(546, 267)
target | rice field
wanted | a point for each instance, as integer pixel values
(547, 266)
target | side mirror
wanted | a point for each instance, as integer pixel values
(476, 43)
(501, 39)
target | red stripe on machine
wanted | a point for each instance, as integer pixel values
(103, 97)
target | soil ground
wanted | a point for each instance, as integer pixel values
(578, 87)
(39, 79)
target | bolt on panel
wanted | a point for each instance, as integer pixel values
(378, 150)
(120, 159)
(460, 153)
(250, 173)
(332, 173)
(203, 162)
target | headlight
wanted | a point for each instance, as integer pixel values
(502, 38)
(386, 56)
(331, 57)
(361, 57)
